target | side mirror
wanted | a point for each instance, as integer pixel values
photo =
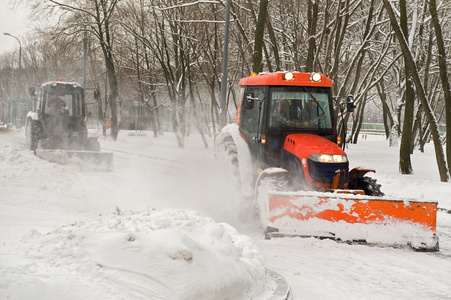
(32, 91)
(96, 94)
(350, 106)
(248, 101)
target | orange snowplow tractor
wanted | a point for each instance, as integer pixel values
(298, 79)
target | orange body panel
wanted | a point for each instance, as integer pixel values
(299, 79)
(365, 211)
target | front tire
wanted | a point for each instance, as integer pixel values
(267, 182)
(370, 186)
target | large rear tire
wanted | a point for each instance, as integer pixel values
(232, 154)
(32, 133)
(227, 155)
(28, 134)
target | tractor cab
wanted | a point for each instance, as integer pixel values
(59, 119)
(62, 98)
(275, 105)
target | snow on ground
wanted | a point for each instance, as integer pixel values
(159, 226)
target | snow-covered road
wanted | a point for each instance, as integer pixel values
(149, 173)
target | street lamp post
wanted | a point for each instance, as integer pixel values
(11, 91)
(223, 111)
(19, 92)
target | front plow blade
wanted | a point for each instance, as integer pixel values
(354, 218)
(91, 160)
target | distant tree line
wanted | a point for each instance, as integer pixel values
(394, 55)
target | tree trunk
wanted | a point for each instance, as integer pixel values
(359, 119)
(274, 42)
(405, 164)
(112, 80)
(388, 118)
(443, 76)
(311, 31)
(257, 56)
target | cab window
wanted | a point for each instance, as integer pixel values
(300, 107)
(249, 113)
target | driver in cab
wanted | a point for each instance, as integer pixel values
(56, 105)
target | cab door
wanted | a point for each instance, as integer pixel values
(253, 98)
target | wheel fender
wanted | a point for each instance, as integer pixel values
(267, 173)
(357, 173)
(33, 115)
(246, 163)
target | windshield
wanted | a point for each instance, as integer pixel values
(64, 102)
(300, 107)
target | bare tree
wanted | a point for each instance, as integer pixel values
(259, 31)
(443, 75)
(311, 30)
(405, 164)
(441, 163)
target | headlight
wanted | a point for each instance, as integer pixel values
(327, 158)
(339, 158)
(316, 77)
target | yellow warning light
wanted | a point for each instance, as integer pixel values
(253, 74)
(339, 140)
(60, 79)
(263, 139)
(289, 76)
(316, 77)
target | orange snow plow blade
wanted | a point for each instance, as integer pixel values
(354, 218)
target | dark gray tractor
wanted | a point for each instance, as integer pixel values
(58, 124)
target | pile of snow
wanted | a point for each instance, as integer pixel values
(72, 234)
(165, 254)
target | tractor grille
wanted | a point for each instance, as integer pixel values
(325, 172)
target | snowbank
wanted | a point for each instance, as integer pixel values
(164, 254)
(71, 234)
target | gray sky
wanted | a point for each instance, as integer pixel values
(13, 22)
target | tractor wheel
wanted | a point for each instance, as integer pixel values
(271, 182)
(232, 155)
(28, 134)
(227, 156)
(370, 186)
(32, 133)
(82, 142)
